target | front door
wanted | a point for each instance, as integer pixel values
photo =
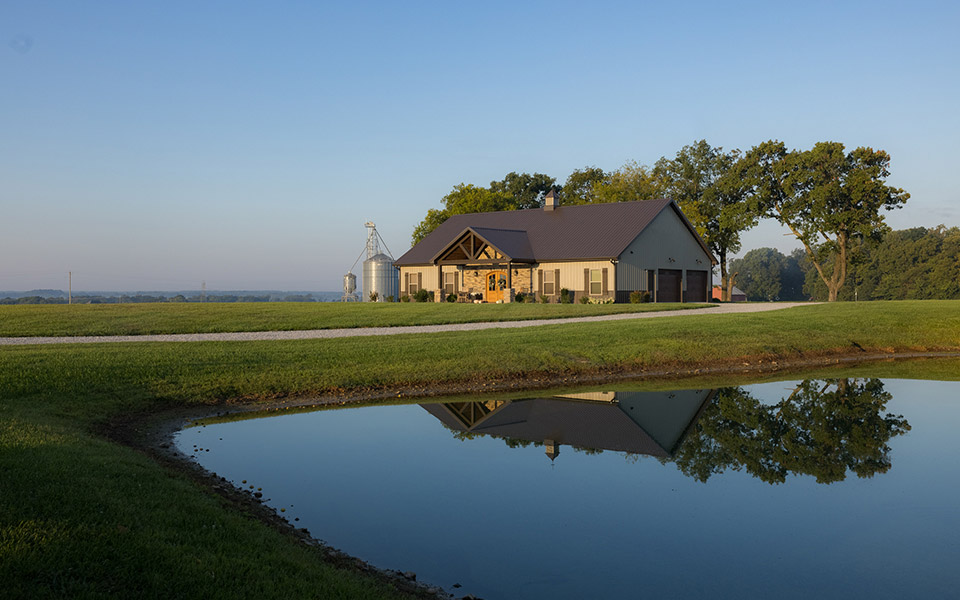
(496, 283)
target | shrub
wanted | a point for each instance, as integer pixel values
(646, 297)
(565, 296)
(452, 298)
(584, 300)
(544, 299)
(636, 297)
(422, 295)
(374, 296)
(389, 299)
(404, 298)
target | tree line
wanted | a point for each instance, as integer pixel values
(909, 264)
(829, 199)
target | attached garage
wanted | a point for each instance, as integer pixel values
(696, 286)
(669, 285)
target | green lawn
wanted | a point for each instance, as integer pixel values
(81, 516)
(139, 319)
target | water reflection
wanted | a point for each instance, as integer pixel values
(823, 428)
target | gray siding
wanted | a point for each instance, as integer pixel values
(664, 239)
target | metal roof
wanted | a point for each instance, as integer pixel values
(584, 232)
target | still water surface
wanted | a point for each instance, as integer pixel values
(795, 489)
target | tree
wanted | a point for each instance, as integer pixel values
(909, 264)
(581, 186)
(824, 428)
(761, 273)
(700, 180)
(525, 190)
(829, 200)
(464, 198)
(513, 192)
(629, 183)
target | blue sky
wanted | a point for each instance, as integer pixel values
(158, 145)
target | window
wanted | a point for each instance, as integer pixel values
(413, 288)
(549, 285)
(449, 283)
(596, 282)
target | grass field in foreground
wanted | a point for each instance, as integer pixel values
(140, 319)
(83, 517)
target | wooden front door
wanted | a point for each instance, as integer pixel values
(496, 284)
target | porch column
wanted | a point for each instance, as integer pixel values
(440, 278)
(509, 276)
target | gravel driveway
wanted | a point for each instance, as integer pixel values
(311, 334)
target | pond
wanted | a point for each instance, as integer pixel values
(840, 487)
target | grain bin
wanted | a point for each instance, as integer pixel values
(380, 276)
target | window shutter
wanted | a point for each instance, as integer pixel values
(406, 283)
(556, 282)
(419, 280)
(540, 281)
(586, 281)
(456, 283)
(604, 281)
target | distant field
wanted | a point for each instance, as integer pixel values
(142, 319)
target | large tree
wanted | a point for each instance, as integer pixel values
(830, 200)
(581, 186)
(464, 198)
(699, 178)
(824, 428)
(525, 190)
(629, 183)
(514, 192)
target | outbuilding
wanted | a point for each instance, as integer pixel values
(602, 252)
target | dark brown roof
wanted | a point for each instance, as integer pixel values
(585, 232)
(594, 425)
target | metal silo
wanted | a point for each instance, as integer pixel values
(381, 277)
(349, 288)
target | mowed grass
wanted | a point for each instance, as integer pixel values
(84, 517)
(140, 319)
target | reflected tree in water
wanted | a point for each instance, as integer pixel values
(823, 428)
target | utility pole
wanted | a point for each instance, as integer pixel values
(203, 291)
(69, 287)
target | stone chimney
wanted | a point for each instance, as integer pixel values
(550, 200)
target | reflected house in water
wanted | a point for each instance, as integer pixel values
(650, 423)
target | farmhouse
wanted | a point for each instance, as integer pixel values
(601, 252)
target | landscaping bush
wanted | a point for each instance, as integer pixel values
(452, 298)
(520, 297)
(404, 298)
(584, 300)
(636, 297)
(389, 299)
(422, 295)
(565, 296)
(544, 299)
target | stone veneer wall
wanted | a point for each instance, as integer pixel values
(520, 281)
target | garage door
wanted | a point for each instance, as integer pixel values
(668, 285)
(696, 286)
